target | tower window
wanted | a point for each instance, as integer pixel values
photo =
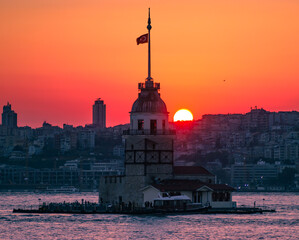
(140, 124)
(163, 125)
(153, 126)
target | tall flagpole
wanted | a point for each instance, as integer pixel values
(149, 27)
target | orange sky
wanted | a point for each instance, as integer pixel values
(58, 56)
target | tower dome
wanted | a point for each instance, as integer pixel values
(149, 112)
(149, 100)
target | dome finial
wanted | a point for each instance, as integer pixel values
(149, 27)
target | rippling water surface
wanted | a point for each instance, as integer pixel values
(284, 224)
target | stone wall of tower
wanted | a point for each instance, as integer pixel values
(111, 188)
(148, 158)
(160, 117)
(149, 155)
(132, 189)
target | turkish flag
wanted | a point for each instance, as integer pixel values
(142, 39)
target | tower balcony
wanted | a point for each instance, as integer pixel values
(148, 132)
(149, 85)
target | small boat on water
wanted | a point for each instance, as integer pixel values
(62, 189)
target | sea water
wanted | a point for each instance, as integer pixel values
(282, 224)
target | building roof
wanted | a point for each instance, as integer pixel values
(220, 187)
(178, 185)
(191, 170)
(172, 185)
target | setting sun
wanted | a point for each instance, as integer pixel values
(183, 115)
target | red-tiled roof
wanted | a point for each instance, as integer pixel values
(178, 185)
(172, 185)
(191, 170)
(220, 187)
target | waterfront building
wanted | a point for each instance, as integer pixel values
(244, 175)
(214, 195)
(73, 173)
(99, 114)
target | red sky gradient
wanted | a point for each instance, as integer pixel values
(58, 56)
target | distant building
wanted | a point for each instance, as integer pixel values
(257, 119)
(119, 150)
(86, 139)
(9, 117)
(66, 141)
(99, 114)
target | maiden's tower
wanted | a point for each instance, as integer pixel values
(148, 143)
(149, 148)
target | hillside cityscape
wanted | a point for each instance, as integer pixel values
(256, 151)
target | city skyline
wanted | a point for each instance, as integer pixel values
(12, 122)
(58, 56)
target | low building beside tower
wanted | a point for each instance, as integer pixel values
(208, 194)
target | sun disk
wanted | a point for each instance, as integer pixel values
(183, 115)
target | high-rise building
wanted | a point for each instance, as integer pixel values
(9, 117)
(99, 114)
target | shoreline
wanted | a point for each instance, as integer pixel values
(93, 191)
